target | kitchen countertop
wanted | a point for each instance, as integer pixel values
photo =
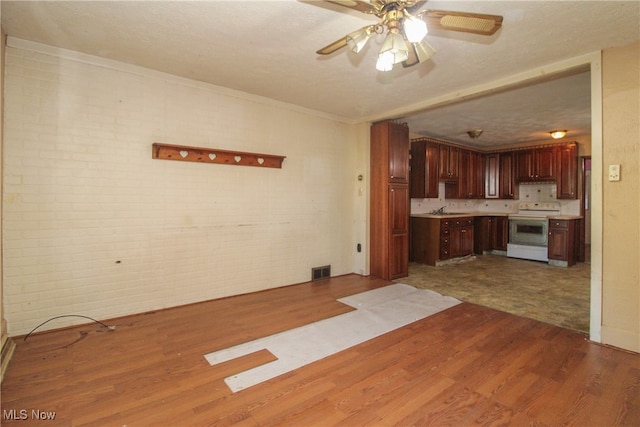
(474, 214)
(566, 217)
(458, 214)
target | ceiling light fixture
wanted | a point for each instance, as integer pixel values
(404, 31)
(358, 39)
(473, 134)
(403, 20)
(394, 48)
(557, 134)
(415, 29)
(423, 50)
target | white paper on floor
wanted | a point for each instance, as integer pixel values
(378, 311)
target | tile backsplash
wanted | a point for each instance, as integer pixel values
(538, 192)
(534, 192)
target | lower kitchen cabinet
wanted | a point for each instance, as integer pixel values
(437, 239)
(501, 233)
(491, 233)
(426, 247)
(562, 247)
(461, 241)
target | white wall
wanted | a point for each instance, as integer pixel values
(3, 322)
(94, 226)
(621, 199)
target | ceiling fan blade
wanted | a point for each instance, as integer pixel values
(359, 5)
(466, 22)
(332, 47)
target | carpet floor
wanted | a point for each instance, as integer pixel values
(555, 295)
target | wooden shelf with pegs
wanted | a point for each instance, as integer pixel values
(213, 155)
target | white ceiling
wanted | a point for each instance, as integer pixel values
(267, 48)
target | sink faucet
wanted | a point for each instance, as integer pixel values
(439, 211)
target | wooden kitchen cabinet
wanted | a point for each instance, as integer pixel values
(448, 164)
(470, 183)
(492, 176)
(482, 234)
(508, 187)
(477, 165)
(429, 240)
(536, 165)
(424, 174)
(499, 178)
(501, 233)
(561, 243)
(399, 231)
(389, 213)
(464, 187)
(491, 233)
(436, 239)
(567, 171)
(461, 240)
(458, 189)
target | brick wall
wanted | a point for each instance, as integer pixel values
(94, 226)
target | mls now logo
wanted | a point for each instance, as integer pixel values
(25, 414)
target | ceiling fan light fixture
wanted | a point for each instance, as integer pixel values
(423, 50)
(557, 134)
(358, 39)
(415, 29)
(384, 63)
(393, 51)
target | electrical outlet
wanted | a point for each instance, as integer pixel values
(614, 172)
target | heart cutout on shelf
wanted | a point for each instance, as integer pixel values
(260, 160)
(212, 156)
(184, 153)
(237, 158)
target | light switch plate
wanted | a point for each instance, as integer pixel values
(614, 172)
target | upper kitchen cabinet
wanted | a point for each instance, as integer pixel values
(424, 169)
(499, 177)
(470, 183)
(492, 176)
(389, 212)
(508, 187)
(536, 165)
(567, 171)
(397, 151)
(476, 161)
(449, 163)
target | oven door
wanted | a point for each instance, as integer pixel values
(528, 231)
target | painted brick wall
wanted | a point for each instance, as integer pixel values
(94, 226)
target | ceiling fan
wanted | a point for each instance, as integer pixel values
(406, 27)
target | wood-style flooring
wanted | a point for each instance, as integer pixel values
(466, 366)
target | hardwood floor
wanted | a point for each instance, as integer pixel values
(468, 365)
